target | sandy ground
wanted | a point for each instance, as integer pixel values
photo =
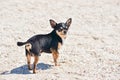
(90, 52)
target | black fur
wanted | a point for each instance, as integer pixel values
(43, 43)
(46, 42)
(21, 43)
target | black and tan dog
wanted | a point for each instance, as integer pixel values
(49, 43)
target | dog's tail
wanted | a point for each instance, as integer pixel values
(21, 43)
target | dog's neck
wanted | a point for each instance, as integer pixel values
(56, 36)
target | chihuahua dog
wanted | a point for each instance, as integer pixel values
(49, 43)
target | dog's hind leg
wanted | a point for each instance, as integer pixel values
(28, 60)
(36, 58)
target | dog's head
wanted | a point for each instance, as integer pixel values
(61, 28)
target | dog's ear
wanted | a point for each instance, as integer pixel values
(68, 22)
(52, 23)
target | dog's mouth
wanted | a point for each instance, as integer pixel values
(63, 35)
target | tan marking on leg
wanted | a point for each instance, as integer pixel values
(55, 56)
(36, 58)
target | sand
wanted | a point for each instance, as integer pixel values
(90, 52)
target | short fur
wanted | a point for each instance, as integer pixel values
(49, 43)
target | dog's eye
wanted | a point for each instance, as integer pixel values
(60, 30)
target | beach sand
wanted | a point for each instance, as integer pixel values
(91, 50)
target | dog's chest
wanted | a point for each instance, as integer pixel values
(59, 45)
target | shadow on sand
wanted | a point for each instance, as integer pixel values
(24, 69)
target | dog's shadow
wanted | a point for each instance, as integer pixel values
(24, 69)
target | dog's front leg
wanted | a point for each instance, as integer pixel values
(55, 54)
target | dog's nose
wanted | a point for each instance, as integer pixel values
(65, 32)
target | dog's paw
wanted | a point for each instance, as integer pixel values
(57, 64)
(29, 68)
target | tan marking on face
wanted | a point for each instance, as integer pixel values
(61, 34)
(28, 46)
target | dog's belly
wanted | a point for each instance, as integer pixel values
(47, 51)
